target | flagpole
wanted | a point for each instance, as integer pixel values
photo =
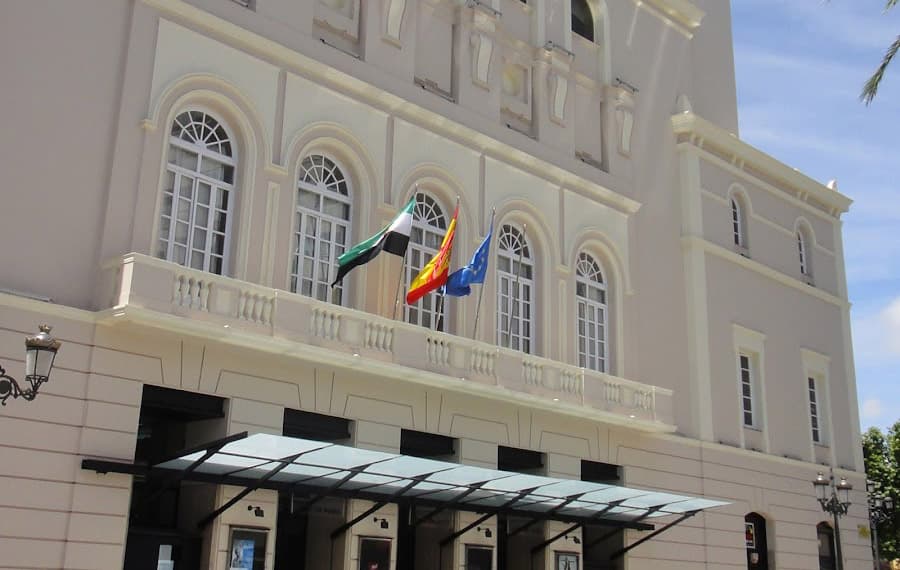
(481, 291)
(518, 279)
(399, 284)
(439, 312)
(403, 261)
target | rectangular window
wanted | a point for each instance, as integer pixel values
(434, 47)
(374, 553)
(479, 557)
(814, 416)
(747, 390)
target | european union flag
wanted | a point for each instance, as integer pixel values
(475, 272)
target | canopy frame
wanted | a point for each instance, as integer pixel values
(323, 469)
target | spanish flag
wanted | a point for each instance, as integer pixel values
(435, 272)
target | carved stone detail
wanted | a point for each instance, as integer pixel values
(622, 101)
(558, 90)
(393, 19)
(482, 53)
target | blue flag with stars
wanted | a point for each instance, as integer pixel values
(475, 272)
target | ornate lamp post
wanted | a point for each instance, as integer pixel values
(40, 352)
(881, 508)
(835, 499)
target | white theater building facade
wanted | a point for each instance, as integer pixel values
(663, 335)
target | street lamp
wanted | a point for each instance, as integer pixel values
(881, 508)
(835, 499)
(40, 352)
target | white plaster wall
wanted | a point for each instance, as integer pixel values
(125, 357)
(181, 52)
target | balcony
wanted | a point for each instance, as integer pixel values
(148, 291)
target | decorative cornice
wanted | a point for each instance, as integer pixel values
(682, 12)
(693, 130)
(764, 270)
(355, 79)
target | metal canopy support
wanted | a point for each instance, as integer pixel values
(449, 504)
(210, 449)
(541, 546)
(545, 516)
(343, 528)
(454, 535)
(331, 489)
(621, 552)
(247, 490)
(613, 532)
(347, 525)
(104, 466)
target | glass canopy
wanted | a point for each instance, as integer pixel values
(279, 462)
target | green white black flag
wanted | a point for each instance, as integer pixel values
(393, 238)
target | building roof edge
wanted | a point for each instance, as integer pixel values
(701, 133)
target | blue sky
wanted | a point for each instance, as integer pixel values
(800, 67)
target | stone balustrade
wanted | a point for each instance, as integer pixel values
(141, 285)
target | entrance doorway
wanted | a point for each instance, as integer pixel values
(160, 534)
(757, 545)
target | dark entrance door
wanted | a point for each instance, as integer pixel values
(757, 547)
(157, 535)
(826, 547)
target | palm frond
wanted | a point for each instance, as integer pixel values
(870, 89)
(890, 4)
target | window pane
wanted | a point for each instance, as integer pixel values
(307, 199)
(181, 157)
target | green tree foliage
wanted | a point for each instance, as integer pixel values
(870, 89)
(882, 458)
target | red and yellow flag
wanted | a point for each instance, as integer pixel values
(436, 271)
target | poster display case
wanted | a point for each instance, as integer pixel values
(374, 553)
(566, 561)
(247, 550)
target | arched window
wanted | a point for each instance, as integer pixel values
(825, 535)
(515, 290)
(197, 206)
(428, 229)
(321, 228)
(756, 542)
(738, 223)
(803, 251)
(592, 314)
(583, 19)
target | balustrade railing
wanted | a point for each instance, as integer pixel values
(148, 283)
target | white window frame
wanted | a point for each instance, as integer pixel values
(803, 253)
(738, 223)
(816, 366)
(323, 177)
(747, 374)
(815, 413)
(591, 315)
(750, 343)
(209, 143)
(515, 253)
(430, 223)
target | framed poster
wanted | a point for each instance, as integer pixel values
(750, 535)
(479, 557)
(566, 561)
(374, 553)
(247, 550)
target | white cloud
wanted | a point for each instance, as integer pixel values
(871, 409)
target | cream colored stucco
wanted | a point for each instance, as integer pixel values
(590, 166)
